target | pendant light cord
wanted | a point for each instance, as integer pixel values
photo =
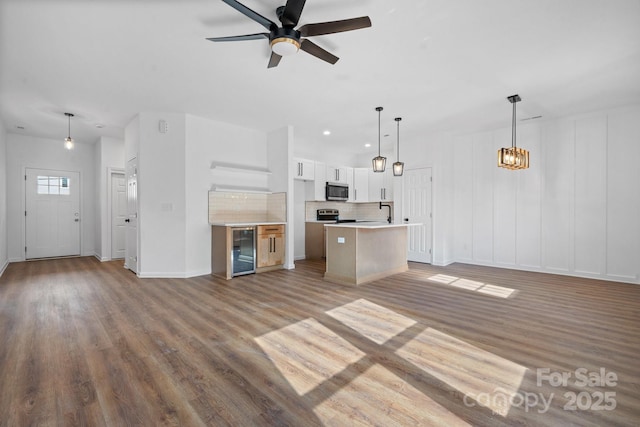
(398, 136)
(513, 127)
(379, 110)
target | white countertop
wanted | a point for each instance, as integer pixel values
(370, 225)
(246, 224)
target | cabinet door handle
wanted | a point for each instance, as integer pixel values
(301, 169)
(274, 244)
(355, 194)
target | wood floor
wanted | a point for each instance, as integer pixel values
(88, 343)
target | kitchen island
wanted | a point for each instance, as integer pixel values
(362, 252)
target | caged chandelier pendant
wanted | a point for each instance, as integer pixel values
(513, 158)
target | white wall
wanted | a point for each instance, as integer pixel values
(161, 196)
(109, 156)
(432, 151)
(32, 152)
(4, 257)
(279, 158)
(575, 211)
(209, 141)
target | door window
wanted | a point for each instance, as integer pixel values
(54, 185)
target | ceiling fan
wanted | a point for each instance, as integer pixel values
(286, 40)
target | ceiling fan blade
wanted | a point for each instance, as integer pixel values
(265, 22)
(315, 50)
(292, 11)
(321, 28)
(257, 36)
(274, 60)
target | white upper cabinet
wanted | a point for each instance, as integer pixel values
(337, 174)
(359, 192)
(380, 185)
(316, 189)
(304, 169)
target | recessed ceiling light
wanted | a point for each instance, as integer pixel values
(326, 132)
(367, 145)
(99, 125)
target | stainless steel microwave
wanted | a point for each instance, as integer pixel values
(338, 192)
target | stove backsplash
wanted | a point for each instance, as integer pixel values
(361, 211)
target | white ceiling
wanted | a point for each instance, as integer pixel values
(442, 65)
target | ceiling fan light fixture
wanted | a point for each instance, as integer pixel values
(285, 46)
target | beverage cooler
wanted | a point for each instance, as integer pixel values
(244, 250)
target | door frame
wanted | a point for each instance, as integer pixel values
(402, 209)
(109, 244)
(23, 202)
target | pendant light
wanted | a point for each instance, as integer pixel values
(513, 158)
(398, 167)
(379, 162)
(68, 141)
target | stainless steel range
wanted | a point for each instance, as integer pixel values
(327, 214)
(331, 215)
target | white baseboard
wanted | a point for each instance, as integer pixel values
(172, 275)
(4, 267)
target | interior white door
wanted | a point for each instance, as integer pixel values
(131, 248)
(118, 215)
(417, 209)
(52, 217)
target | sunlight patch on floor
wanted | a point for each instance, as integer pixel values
(484, 378)
(472, 285)
(379, 397)
(443, 278)
(377, 323)
(307, 353)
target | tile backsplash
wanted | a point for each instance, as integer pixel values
(361, 211)
(225, 207)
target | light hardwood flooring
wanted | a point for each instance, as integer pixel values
(88, 343)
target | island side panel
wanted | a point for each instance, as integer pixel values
(341, 257)
(381, 252)
(220, 263)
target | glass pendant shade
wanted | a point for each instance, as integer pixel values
(398, 168)
(379, 162)
(512, 157)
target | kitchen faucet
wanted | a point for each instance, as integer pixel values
(389, 217)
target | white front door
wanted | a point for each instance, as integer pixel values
(131, 251)
(52, 217)
(417, 208)
(118, 214)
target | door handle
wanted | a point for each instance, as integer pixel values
(406, 219)
(76, 220)
(127, 220)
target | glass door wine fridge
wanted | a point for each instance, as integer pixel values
(243, 254)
